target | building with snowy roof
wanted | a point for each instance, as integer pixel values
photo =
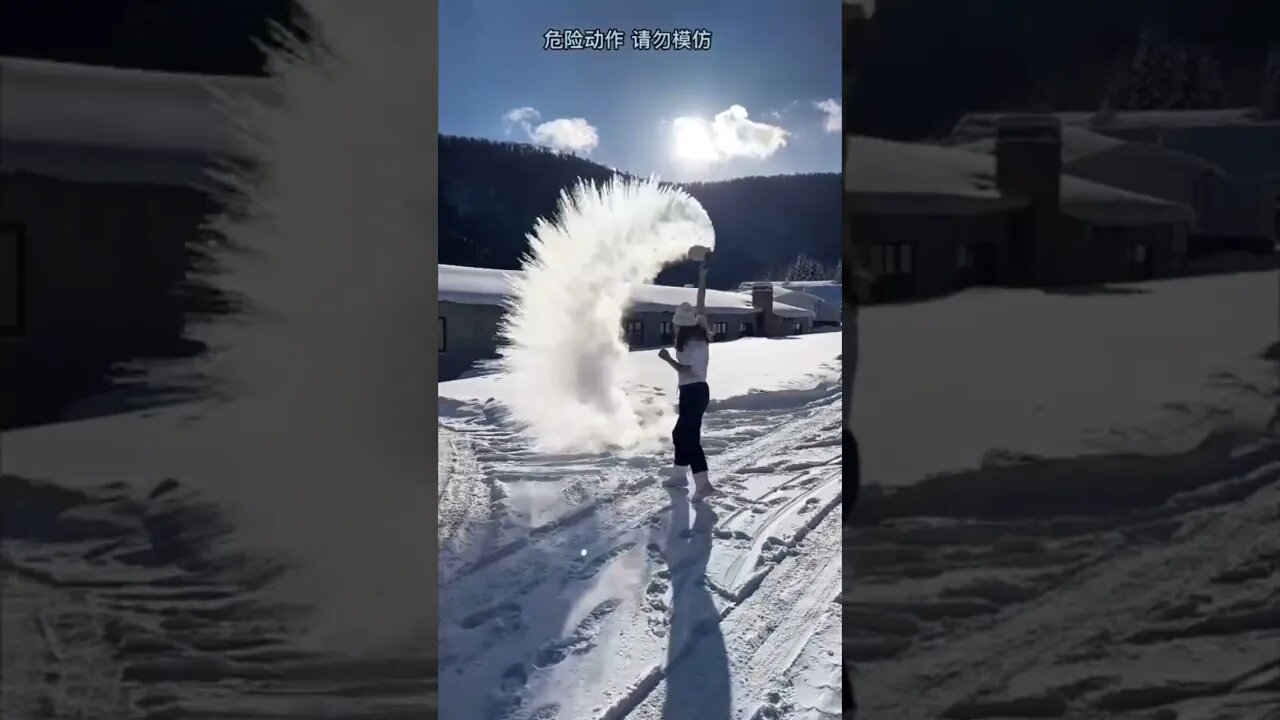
(473, 301)
(823, 297)
(1237, 201)
(929, 220)
(102, 174)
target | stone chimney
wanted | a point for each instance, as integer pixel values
(762, 301)
(1029, 166)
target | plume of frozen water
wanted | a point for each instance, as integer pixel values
(564, 352)
(325, 444)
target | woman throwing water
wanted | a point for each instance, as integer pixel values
(693, 340)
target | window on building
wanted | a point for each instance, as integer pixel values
(746, 329)
(719, 331)
(1137, 255)
(444, 327)
(666, 332)
(964, 256)
(635, 332)
(892, 259)
(799, 328)
(13, 273)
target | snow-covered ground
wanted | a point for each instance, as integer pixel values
(127, 591)
(575, 586)
(1078, 511)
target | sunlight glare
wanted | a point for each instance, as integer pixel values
(694, 141)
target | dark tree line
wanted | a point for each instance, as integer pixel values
(198, 36)
(491, 193)
(1011, 55)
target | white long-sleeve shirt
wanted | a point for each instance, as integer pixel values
(695, 354)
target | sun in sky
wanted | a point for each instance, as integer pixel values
(693, 140)
(727, 135)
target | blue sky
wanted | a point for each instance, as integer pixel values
(679, 114)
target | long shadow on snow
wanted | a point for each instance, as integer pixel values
(697, 664)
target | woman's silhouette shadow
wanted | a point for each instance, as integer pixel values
(697, 665)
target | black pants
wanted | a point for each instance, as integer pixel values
(852, 484)
(852, 472)
(687, 436)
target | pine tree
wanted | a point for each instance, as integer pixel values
(1157, 79)
(1269, 96)
(805, 268)
(1208, 89)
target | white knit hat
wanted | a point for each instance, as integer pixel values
(684, 316)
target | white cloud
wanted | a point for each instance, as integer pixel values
(730, 134)
(573, 134)
(777, 114)
(832, 109)
(520, 115)
(564, 134)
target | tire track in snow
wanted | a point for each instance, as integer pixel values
(632, 483)
(764, 637)
(636, 503)
(1108, 597)
(131, 605)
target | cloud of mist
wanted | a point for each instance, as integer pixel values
(565, 354)
(327, 438)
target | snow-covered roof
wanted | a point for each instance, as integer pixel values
(891, 177)
(485, 286)
(1080, 144)
(1230, 142)
(1076, 143)
(809, 283)
(977, 125)
(65, 104)
(789, 284)
(828, 292)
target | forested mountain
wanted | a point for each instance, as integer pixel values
(491, 193)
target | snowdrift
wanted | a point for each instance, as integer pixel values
(1150, 368)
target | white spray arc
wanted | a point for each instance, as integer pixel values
(326, 443)
(564, 356)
